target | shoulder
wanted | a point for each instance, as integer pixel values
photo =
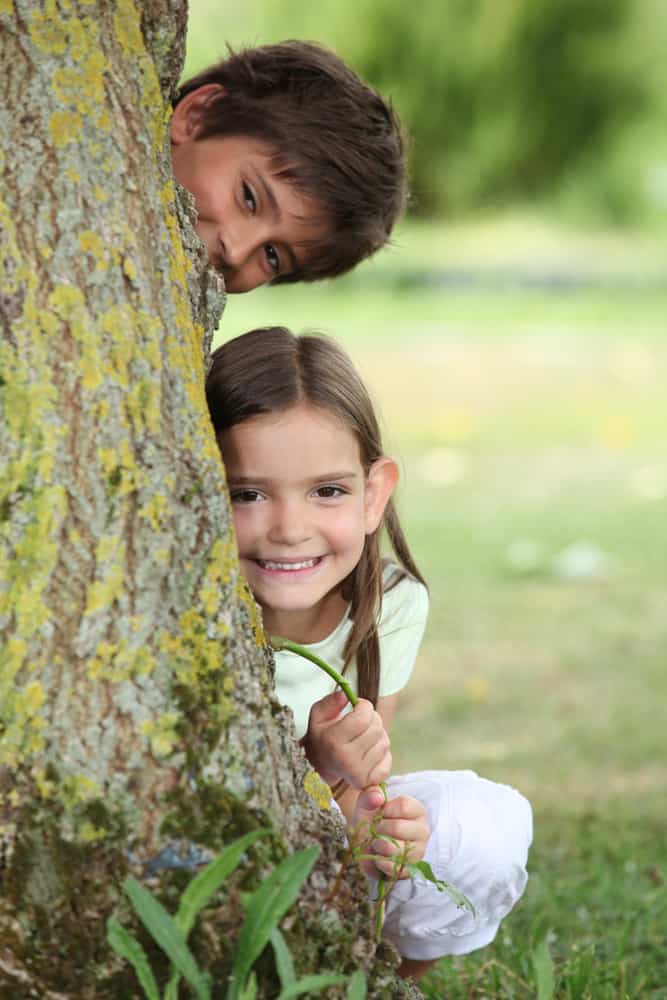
(400, 629)
(404, 599)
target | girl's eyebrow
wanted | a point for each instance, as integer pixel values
(261, 480)
(336, 475)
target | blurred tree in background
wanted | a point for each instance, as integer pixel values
(524, 100)
(502, 99)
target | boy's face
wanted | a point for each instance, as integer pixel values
(254, 225)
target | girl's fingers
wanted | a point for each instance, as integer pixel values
(403, 829)
(387, 847)
(357, 722)
(404, 807)
(366, 758)
(387, 868)
(377, 763)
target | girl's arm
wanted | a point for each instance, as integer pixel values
(348, 746)
(347, 800)
(403, 818)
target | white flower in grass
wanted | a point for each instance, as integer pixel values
(582, 560)
(649, 482)
(524, 555)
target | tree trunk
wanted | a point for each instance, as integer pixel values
(139, 733)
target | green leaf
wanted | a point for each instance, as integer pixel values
(284, 963)
(203, 886)
(266, 907)
(357, 987)
(249, 992)
(424, 869)
(167, 934)
(312, 984)
(206, 882)
(544, 970)
(388, 839)
(127, 946)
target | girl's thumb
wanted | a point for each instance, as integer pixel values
(330, 706)
(368, 802)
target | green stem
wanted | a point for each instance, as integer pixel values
(279, 643)
(385, 884)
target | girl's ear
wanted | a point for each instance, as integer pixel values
(380, 482)
(187, 116)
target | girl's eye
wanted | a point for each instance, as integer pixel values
(272, 257)
(246, 496)
(329, 492)
(249, 198)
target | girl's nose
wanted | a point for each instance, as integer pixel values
(290, 524)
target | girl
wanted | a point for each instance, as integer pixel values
(311, 492)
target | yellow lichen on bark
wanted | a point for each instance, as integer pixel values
(28, 543)
(65, 127)
(48, 31)
(318, 790)
(127, 22)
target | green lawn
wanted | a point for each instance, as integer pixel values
(531, 425)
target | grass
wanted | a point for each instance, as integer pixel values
(530, 424)
(520, 369)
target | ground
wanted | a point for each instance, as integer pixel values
(520, 372)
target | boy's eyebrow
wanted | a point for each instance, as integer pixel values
(269, 194)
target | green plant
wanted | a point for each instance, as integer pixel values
(544, 970)
(264, 908)
(358, 843)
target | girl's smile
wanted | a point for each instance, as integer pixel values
(303, 505)
(290, 568)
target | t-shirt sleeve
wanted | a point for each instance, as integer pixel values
(401, 627)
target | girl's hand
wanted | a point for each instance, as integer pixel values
(354, 747)
(404, 819)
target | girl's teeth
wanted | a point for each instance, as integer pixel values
(269, 564)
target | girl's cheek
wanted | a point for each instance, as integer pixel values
(241, 526)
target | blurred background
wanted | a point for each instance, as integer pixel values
(514, 338)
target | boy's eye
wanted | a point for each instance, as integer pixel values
(246, 496)
(329, 492)
(272, 257)
(249, 197)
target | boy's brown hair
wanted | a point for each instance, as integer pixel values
(332, 137)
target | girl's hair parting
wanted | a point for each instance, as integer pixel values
(270, 370)
(333, 137)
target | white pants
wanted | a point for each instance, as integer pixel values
(480, 835)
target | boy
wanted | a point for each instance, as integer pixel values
(296, 166)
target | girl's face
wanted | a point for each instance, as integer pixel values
(302, 508)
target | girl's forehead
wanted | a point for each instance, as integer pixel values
(301, 437)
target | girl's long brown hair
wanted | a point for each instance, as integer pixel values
(269, 370)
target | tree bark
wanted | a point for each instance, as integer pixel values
(138, 728)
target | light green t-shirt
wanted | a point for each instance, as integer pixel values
(299, 683)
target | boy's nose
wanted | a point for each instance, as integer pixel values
(237, 244)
